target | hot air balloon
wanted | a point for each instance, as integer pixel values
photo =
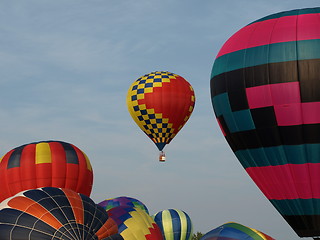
(160, 103)
(45, 164)
(265, 88)
(134, 223)
(123, 201)
(53, 213)
(175, 224)
(235, 231)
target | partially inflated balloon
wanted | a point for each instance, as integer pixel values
(45, 164)
(54, 214)
(160, 103)
(235, 231)
(123, 201)
(265, 88)
(135, 223)
(174, 224)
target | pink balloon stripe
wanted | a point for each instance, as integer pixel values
(286, 100)
(284, 29)
(290, 181)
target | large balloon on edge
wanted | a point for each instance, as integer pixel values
(52, 214)
(175, 224)
(160, 103)
(134, 223)
(123, 201)
(235, 231)
(45, 164)
(265, 88)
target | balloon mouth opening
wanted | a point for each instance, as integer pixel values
(160, 146)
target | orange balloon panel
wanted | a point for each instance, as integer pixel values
(54, 214)
(45, 164)
(161, 103)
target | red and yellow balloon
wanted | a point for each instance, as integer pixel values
(160, 103)
(45, 164)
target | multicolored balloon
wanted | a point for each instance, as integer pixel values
(175, 224)
(265, 88)
(161, 103)
(45, 164)
(53, 213)
(235, 231)
(123, 201)
(134, 223)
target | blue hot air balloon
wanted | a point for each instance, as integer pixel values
(175, 224)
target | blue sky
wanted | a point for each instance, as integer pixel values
(66, 66)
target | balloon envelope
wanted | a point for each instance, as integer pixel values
(265, 88)
(160, 103)
(123, 201)
(174, 224)
(45, 164)
(53, 213)
(235, 231)
(134, 223)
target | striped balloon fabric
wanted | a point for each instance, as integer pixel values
(265, 88)
(54, 214)
(45, 164)
(235, 231)
(175, 224)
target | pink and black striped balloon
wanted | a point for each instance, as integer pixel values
(265, 88)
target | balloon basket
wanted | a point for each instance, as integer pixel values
(162, 157)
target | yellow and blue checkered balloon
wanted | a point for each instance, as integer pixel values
(160, 103)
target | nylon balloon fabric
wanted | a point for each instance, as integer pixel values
(123, 201)
(160, 103)
(53, 213)
(45, 164)
(175, 224)
(235, 231)
(265, 89)
(134, 223)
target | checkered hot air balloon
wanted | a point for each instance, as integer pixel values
(45, 164)
(265, 88)
(160, 103)
(54, 214)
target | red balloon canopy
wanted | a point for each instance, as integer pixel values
(45, 164)
(160, 103)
